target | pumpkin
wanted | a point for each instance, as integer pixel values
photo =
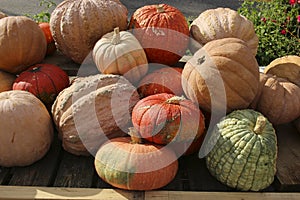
(77, 25)
(221, 23)
(2, 15)
(163, 118)
(26, 129)
(243, 151)
(92, 110)
(51, 48)
(43, 80)
(278, 99)
(120, 53)
(124, 163)
(22, 44)
(163, 80)
(287, 67)
(6, 81)
(162, 31)
(222, 76)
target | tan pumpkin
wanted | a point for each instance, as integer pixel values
(120, 53)
(92, 110)
(2, 15)
(220, 23)
(287, 67)
(77, 25)
(223, 75)
(22, 44)
(26, 129)
(278, 99)
(6, 81)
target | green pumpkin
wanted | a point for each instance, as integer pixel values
(244, 153)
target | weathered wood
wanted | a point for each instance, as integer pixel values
(288, 162)
(42, 172)
(75, 171)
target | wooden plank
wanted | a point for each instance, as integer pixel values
(178, 195)
(40, 173)
(75, 171)
(28, 192)
(288, 162)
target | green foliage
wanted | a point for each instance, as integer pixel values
(44, 15)
(277, 25)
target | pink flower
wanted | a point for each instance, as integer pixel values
(263, 19)
(298, 18)
(292, 2)
(283, 32)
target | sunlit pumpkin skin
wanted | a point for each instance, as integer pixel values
(77, 25)
(26, 129)
(104, 103)
(162, 31)
(221, 23)
(51, 48)
(278, 99)
(162, 118)
(243, 151)
(221, 76)
(6, 81)
(2, 15)
(120, 53)
(164, 80)
(45, 81)
(22, 44)
(134, 166)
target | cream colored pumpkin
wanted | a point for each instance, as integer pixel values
(26, 128)
(120, 53)
(220, 23)
(6, 81)
(2, 15)
(23, 44)
(77, 25)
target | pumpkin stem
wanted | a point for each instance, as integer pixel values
(135, 136)
(160, 9)
(116, 36)
(175, 100)
(260, 124)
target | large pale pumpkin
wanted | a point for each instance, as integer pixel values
(6, 81)
(223, 75)
(77, 25)
(243, 151)
(130, 165)
(2, 15)
(22, 44)
(120, 53)
(92, 110)
(278, 99)
(26, 129)
(221, 23)
(162, 31)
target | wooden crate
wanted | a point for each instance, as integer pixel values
(61, 175)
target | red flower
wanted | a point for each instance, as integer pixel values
(298, 17)
(263, 19)
(283, 32)
(292, 2)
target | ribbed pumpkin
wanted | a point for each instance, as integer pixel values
(2, 15)
(243, 151)
(162, 31)
(221, 23)
(223, 76)
(6, 81)
(26, 129)
(120, 53)
(76, 25)
(43, 80)
(22, 44)
(92, 110)
(127, 164)
(163, 118)
(278, 99)
(163, 80)
(287, 67)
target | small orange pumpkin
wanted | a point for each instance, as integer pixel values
(51, 48)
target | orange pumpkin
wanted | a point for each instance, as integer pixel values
(162, 30)
(51, 48)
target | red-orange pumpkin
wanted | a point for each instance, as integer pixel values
(162, 31)
(45, 81)
(164, 118)
(163, 80)
(51, 48)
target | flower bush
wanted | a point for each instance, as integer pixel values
(277, 24)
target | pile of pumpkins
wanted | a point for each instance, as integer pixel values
(142, 112)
